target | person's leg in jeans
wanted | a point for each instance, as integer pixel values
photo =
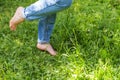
(45, 28)
(39, 10)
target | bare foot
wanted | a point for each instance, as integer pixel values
(17, 18)
(46, 47)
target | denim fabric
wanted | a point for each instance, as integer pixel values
(45, 10)
(45, 28)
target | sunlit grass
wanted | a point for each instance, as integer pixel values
(86, 36)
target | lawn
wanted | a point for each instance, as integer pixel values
(86, 37)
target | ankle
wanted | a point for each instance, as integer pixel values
(42, 46)
(21, 11)
(46, 47)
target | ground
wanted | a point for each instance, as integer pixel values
(86, 36)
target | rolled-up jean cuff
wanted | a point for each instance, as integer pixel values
(42, 42)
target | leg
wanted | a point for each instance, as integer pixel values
(45, 28)
(39, 9)
(44, 8)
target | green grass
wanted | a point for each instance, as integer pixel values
(86, 36)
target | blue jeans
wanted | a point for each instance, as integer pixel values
(45, 10)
